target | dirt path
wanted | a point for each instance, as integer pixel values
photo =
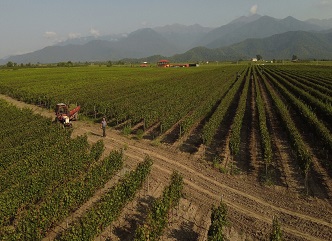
(251, 206)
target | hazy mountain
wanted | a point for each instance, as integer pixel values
(226, 30)
(86, 39)
(246, 19)
(199, 54)
(138, 44)
(175, 33)
(183, 36)
(326, 31)
(182, 29)
(176, 39)
(324, 23)
(262, 27)
(146, 42)
(305, 45)
(92, 51)
(180, 36)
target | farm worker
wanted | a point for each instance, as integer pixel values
(103, 126)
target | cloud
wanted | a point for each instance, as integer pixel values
(50, 35)
(253, 9)
(94, 32)
(325, 3)
(74, 35)
(144, 23)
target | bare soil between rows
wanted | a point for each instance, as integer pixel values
(251, 205)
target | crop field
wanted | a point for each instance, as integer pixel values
(179, 140)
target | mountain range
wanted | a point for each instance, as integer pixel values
(243, 38)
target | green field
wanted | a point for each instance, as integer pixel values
(121, 94)
(170, 99)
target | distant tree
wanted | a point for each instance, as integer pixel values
(109, 64)
(294, 57)
(120, 62)
(259, 57)
(10, 64)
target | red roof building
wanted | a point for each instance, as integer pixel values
(163, 63)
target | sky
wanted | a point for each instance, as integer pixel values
(29, 25)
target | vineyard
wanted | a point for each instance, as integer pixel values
(259, 136)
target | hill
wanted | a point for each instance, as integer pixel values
(183, 37)
(305, 45)
(324, 23)
(259, 27)
(138, 44)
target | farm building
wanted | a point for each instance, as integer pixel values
(185, 65)
(163, 63)
(166, 63)
(144, 64)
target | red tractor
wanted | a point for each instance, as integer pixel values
(64, 115)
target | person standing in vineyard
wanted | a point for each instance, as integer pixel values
(103, 126)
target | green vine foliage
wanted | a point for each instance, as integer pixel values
(263, 129)
(218, 222)
(211, 126)
(97, 150)
(161, 96)
(157, 218)
(33, 224)
(109, 207)
(235, 138)
(44, 173)
(276, 233)
(304, 156)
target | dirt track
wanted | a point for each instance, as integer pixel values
(251, 205)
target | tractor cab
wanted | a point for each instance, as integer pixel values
(61, 109)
